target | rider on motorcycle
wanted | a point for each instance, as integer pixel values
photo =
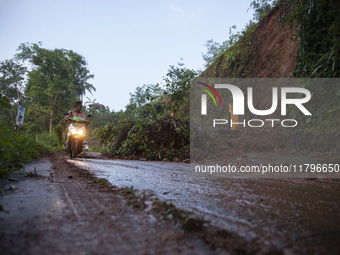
(76, 112)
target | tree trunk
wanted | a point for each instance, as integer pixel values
(13, 120)
(51, 118)
(52, 111)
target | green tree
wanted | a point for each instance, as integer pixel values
(12, 77)
(177, 81)
(4, 102)
(215, 49)
(58, 77)
(80, 74)
(155, 124)
(262, 8)
(145, 93)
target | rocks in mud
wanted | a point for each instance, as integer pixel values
(186, 161)
(33, 173)
(131, 157)
(13, 179)
(3, 210)
(9, 188)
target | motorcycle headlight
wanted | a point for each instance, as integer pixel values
(74, 131)
(80, 132)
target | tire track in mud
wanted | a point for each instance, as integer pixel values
(218, 238)
(75, 212)
(65, 211)
(85, 206)
(117, 227)
(299, 216)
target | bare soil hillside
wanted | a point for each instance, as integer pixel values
(273, 54)
(275, 48)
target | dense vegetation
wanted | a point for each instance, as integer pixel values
(318, 31)
(317, 25)
(155, 124)
(235, 56)
(17, 149)
(47, 82)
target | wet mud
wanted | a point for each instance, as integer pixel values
(63, 210)
(297, 216)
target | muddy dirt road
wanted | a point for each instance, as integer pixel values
(297, 216)
(65, 210)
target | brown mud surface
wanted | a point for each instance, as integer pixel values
(61, 209)
(275, 48)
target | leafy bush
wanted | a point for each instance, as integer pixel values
(155, 124)
(235, 56)
(318, 31)
(58, 130)
(17, 149)
(167, 138)
(318, 56)
(49, 141)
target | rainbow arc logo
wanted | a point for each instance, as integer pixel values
(209, 93)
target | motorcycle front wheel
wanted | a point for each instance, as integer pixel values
(74, 148)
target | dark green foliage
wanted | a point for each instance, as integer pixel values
(318, 31)
(177, 82)
(4, 102)
(166, 138)
(12, 76)
(155, 124)
(12, 79)
(56, 80)
(16, 149)
(100, 116)
(214, 49)
(134, 199)
(319, 132)
(47, 82)
(58, 130)
(319, 34)
(152, 135)
(239, 57)
(262, 8)
(179, 217)
(235, 57)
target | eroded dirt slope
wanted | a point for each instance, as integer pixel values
(275, 48)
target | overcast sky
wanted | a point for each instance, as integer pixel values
(126, 43)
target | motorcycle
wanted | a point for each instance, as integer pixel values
(76, 136)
